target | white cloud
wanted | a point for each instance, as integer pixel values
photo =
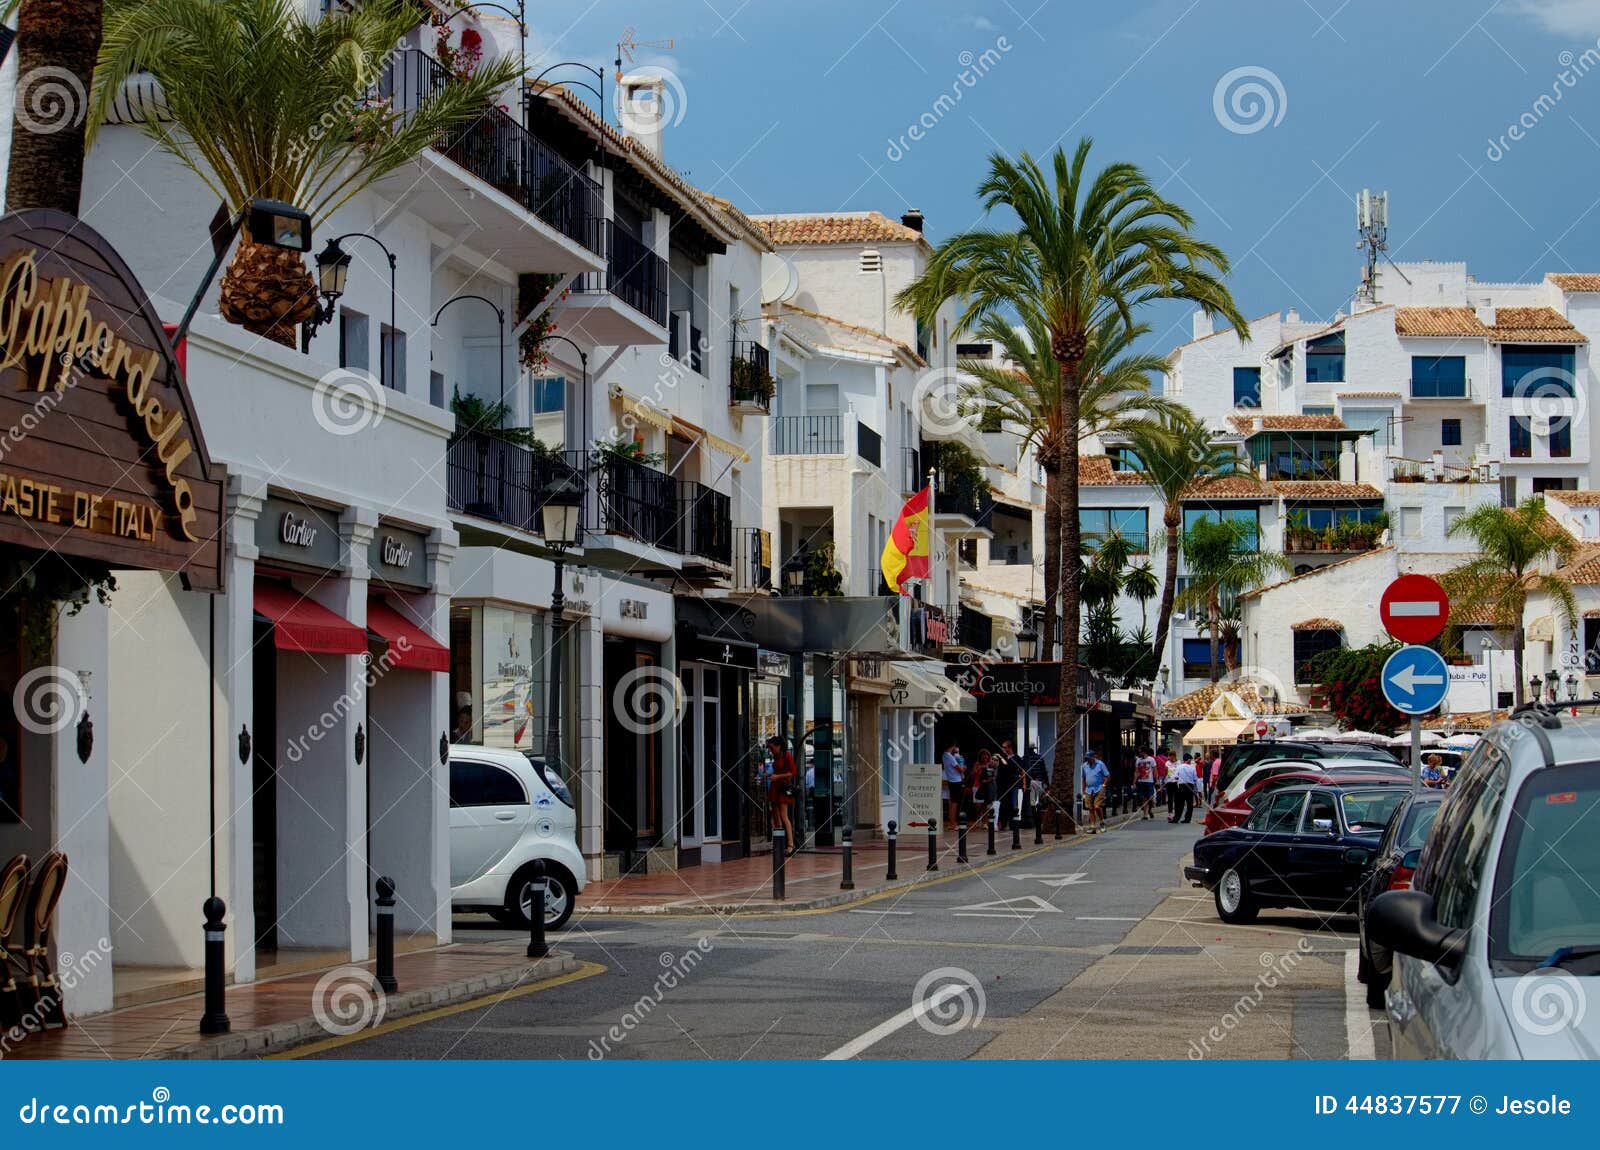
(1562, 17)
(982, 23)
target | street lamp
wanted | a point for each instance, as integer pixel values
(268, 222)
(1572, 687)
(1027, 648)
(333, 268)
(1552, 684)
(794, 573)
(500, 318)
(561, 517)
(1533, 687)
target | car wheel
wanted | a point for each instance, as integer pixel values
(1235, 904)
(560, 898)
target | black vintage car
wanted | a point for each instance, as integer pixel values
(1392, 868)
(1306, 848)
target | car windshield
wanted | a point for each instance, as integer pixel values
(1546, 894)
(1368, 812)
(1418, 822)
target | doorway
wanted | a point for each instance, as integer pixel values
(264, 787)
(701, 763)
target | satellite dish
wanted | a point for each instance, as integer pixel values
(779, 279)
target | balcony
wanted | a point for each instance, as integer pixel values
(964, 510)
(1440, 389)
(752, 559)
(869, 445)
(636, 502)
(705, 524)
(969, 628)
(489, 478)
(627, 303)
(750, 382)
(808, 435)
(508, 167)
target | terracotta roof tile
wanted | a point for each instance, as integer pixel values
(1584, 570)
(1196, 703)
(857, 329)
(1247, 424)
(1229, 487)
(1317, 625)
(1369, 395)
(837, 228)
(752, 232)
(1317, 571)
(1439, 321)
(1323, 489)
(1095, 471)
(1511, 324)
(1575, 498)
(1575, 281)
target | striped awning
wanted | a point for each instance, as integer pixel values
(644, 412)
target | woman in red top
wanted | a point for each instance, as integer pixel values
(780, 789)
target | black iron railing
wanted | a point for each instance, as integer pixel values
(488, 477)
(705, 522)
(752, 559)
(637, 501)
(869, 445)
(808, 435)
(750, 381)
(634, 274)
(973, 629)
(502, 153)
(971, 499)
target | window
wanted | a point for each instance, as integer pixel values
(1319, 809)
(1247, 387)
(1534, 370)
(1317, 409)
(1410, 522)
(392, 357)
(1544, 894)
(1438, 376)
(1308, 645)
(1468, 817)
(1377, 420)
(974, 350)
(1250, 515)
(1097, 523)
(1325, 359)
(1521, 437)
(1449, 433)
(1508, 491)
(1451, 514)
(436, 388)
(1321, 517)
(1543, 483)
(483, 785)
(1124, 459)
(1560, 437)
(353, 350)
(1280, 816)
(1196, 658)
(549, 395)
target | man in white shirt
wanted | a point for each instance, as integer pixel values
(1188, 779)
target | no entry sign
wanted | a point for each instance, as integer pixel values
(1414, 609)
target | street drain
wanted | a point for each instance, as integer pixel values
(1152, 950)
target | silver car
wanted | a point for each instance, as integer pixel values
(1497, 946)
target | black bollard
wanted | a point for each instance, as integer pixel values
(994, 817)
(961, 836)
(894, 829)
(780, 847)
(1057, 812)
(848, 881)
(215, 1019)
(1038, 826)
(386, 936)
(933, 846)
(537, 947)
(1016, 834)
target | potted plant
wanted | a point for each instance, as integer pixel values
(609, 451)
(748, 378)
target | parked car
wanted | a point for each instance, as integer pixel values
(1497, 944)
(1306, 848)
(1233, 812)
(1237, 757)
(1392, 869)
(1255, 773)
(507, 809)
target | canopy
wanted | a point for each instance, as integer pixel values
(1358, 737)
(1462, 742)
(1219, 730)
(1403, 739)
(410, 647)
(926, 689)
(300, 624)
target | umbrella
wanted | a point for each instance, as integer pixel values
(1403, 739)
(1357, 737)
(1465, 741)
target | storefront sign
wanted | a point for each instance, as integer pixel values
(399, 556)
(634, 609)
(298, 533)
(724, 653)
(919, 795)
(772, 664)
(99, 452)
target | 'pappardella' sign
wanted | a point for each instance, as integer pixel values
(99, 452)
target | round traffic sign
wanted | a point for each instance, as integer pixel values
(1415, 680)
(1261, 729)
(1414, 608)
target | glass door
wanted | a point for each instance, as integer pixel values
(691, 770)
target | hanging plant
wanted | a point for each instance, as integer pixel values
(40, 589)
(487, 417)
(751, 378)
(531, 350)
(823, 579)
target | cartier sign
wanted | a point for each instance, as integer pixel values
(100, 455)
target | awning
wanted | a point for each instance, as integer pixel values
(921, 687)
(1218, 730)
(299, 624)
(654, 416)
(410, 647)
(695, 433)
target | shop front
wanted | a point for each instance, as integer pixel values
(717, 657)
(1021, 702)
(639, 708)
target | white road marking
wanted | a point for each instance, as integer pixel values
(864, 1042)
(882, 912)
(1357, 1019)
(1105, 918)
(1028, 902)
(1077, 878)
(994, 914)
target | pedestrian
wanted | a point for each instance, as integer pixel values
(1432, 776)
(955, 772)
(780, 789)
(1144, 782)
(1172, 787)
(1163, 766)
(1009, 778)
(1188, 780)
(1215, 776)
(972, 789)
(1095, 774)
(1038, 775)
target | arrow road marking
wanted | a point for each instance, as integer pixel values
(1408, 680)
(1078, 878)
(1029, 903)
(1415, 608)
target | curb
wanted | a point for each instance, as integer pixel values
(839, 898)
(284, 1035)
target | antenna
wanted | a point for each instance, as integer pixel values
(1372, 223)
(628, 45)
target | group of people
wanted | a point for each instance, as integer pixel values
(1004, 784)
(1181, 780)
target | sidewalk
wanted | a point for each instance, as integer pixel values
(279, 1013)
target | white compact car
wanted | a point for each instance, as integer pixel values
(507, 809)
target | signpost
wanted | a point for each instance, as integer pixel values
(919, 795)
(1415, 680)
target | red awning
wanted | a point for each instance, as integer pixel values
(299, 624)
(410, 646)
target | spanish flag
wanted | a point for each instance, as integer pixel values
(905, 555)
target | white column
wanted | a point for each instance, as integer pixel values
(235, 636)
(586, 634)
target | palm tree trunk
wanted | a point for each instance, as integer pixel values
(1213, 622)
(57, 42)
(1169, 589)
(1064, 780)
(1052, 560)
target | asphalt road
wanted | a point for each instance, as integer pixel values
(1095, 942)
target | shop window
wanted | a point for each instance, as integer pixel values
(1197, 658)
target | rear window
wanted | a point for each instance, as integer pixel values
(1419, 821)
(1546, 882)
(1368, 812)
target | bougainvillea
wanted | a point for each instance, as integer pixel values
(1355, 697)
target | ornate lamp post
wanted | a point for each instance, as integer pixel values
(562, 515)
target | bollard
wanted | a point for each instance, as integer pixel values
(1057, 811)
(961, 836)
(1038, 826)
(1016, 834)
(780, 847)
(537, 947)
(894, 828)
(848, 881)
(933, 845)
(994, 817)
(215, 1019)
(386, 936)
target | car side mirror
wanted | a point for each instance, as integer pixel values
(1411, 858)
(1325, 825)
(1403, 921)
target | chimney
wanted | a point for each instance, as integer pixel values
(1486, 313)
(912, 219)
(1202, 325)
(1293, 316)
(642, 111)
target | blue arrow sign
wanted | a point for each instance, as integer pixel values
(1415, 680)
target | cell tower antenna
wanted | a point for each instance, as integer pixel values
(1372, 224)
(628, 45)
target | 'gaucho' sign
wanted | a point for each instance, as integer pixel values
(100, 455)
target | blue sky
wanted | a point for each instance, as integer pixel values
(801, 105)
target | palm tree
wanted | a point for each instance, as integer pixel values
(1087, 248)
(1141, 584)
(55, 39)
(1223, 560)
(1176, 458)
(260, 102)
(1514, 544)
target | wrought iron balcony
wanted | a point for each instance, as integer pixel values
(752, 559)
(972, 500)
(750, 382)
(637, 501)
(634, 274)
(494, 479)
(705, 523)
(808, 435)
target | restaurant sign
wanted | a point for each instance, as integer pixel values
(100, 454)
